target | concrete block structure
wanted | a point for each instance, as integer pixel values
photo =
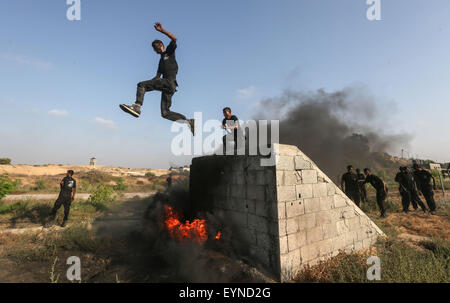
(282, 217)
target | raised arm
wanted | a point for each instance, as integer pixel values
(159, 28)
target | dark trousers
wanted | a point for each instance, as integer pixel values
(381, 198)
(363, 192)
(411, 197)
(355, 196)
(65, 200)
(167, 87)
(233, 138)
(428, 194)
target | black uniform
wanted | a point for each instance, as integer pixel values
(65, 197)
(378, 184)
(352, 187)
(408, 191)
(237, 134)
(168, 67)
(423, 181)
(362, 187)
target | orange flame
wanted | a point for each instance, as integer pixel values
(219, 234)
(178, 231)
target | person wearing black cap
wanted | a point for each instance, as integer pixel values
(423, 179)
(408, 190)
(380, 187)
(68, 187)
(349, 184)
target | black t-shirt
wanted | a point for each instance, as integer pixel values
(232, 121)
(351, 182)
(423, 179)
(168, 65)
(68, 184)
(405, 179)
(376, 182)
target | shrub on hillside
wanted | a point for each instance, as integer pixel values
(5, 161)
(120, 185)
(102, 197)
(6, 186)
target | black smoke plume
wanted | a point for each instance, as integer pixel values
(334, 129)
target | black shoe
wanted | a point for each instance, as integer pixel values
(406, 211)
(134, 110)
(64, 223)
(192, 126)
(383, 215)
(433, 212)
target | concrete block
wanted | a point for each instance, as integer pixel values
(322, 218)
(353, 223)
(280, 177)
(295, 208)
(296, 240)
(246, 235)
(258, 223)
(290, 265)
(301, 163)
(264, 241)
(239, 219)
(292, 177)
(282, 227)
(287, 150)
(304, 191)
(286, 193)
(331, 189)
(282, 210)
(285, 163)
(307, 221)
(309, 252)
(257, 192)
(324, 247)
(314, 234)
(338, 243)
(312, 205)
(326, 203)
(330, 230)
(342, 227)
(309, 176)
(320, 190)
(256, 177)
(291, 226)
(339, 201)
(284, 245)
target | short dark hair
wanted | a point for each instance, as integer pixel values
(70, 172)
(366, 169)
(156, 42)
(349, 166)
(227, 109)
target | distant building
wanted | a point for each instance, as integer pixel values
(93, 162)
(435, 166)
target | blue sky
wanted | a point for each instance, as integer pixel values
(61, 81)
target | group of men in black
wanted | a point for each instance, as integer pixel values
(410, 184)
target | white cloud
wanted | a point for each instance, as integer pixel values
(58, 113)
(25, 60)
(245, 93)
(109, 124)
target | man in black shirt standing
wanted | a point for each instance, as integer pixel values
(408, 190)
(423, 179)
(361, 185)
(66, 196)
(168, 68)
(380, 187)
(349, 184)
(230, 123)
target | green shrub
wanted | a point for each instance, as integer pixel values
(120, 186)
(102, 197)
(150, 175)
(40, 185)
(5, 161)
(6, 186)
(96, 177)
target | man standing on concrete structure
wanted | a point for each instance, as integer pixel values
(168, 68)
(68, 187)
(361, 185)
(230, 123)
(423, 179)
(349, 184)
(408, 190)
(380, 187)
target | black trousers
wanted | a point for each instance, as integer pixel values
(363, 192)
(381, 198)
(428, 194)
(355, 196)
(65, 200)
(233, 138)
(167, 87)
(411, 197)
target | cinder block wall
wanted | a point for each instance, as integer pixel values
(281, 217)
(242, 195)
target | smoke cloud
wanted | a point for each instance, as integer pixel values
(334, 129)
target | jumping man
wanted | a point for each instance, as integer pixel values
(168, 69)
